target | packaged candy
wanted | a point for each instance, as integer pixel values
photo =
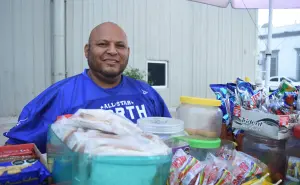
(290, 99)
(245, 92)
(220, 91)
(178, 161)
(183, 171)
(286, 87)
(245, 166)
(214, 170)
(191, 175)
(210, 174)
(25, 172)
(225, 178)
(20, 152)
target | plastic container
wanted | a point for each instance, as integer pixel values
(176, 144)
(269, 151)
(200, 116)
(69, 167)
(165, 128)
(201, 146)
(293, 156)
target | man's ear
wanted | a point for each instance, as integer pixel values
(128, 51)
(86, 50)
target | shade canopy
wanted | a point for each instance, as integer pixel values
(258, 4)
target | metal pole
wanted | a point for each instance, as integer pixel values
(58, 40)
(269, 45)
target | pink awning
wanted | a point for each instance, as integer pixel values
(260, 4)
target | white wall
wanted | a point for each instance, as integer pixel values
(25, 53)
(287, 55)
(202, 44)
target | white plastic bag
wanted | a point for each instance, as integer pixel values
(101, 132)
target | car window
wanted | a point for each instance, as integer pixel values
(274, 80)
(293, 79)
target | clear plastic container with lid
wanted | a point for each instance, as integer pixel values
(165, 128)
(201, 116)
(293, 156)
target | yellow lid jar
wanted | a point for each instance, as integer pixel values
(201, 116)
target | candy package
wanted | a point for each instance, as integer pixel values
(215, 170)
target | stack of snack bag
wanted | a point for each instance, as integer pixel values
(22, 164)
(283, 102)
(228, 167)
(91, 137)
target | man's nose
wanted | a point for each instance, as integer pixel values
(112, 49)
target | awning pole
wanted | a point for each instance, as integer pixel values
(269, 49)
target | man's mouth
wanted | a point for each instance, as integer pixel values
(113, 61)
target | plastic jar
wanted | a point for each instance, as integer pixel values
(293, 156)
(201, 116)
(201, 146)
(165, 128)
(269, 151)
(176, 144)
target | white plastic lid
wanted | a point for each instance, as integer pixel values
(161, 125)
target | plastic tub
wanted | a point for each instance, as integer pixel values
(201, 146)
(200, 116)
(165, 128)
(69, 167)
(269, 151)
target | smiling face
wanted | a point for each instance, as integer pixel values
(107, 51)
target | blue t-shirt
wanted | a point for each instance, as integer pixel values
(132, 98)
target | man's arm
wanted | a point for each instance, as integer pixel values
(162, 109)
(35, 118)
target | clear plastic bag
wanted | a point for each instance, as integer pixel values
(101, 132)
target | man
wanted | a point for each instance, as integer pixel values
(102, 86)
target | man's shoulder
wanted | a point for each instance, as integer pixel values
(66, 83)
(142, 86)
(61, 87)
(138, 83)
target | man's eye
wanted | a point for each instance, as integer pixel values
(120, 45)
(101, 44)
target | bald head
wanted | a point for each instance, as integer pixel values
(108, 30)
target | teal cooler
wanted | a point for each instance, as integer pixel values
(69, 167)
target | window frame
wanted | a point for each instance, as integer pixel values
(166, 72)
(275, 54)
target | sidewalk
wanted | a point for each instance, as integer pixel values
(5, 124)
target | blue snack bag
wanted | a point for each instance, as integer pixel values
(221, 93)
(220, 90)
(25, 172)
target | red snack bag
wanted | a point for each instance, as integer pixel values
(225, 178)
(17, 152)
(191, 177)
(179, 159)
(210, 174)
